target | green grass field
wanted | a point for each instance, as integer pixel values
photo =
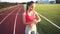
(52, 12)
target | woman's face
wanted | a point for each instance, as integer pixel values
(32, 7)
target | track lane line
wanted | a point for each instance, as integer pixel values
(4, 9)
(16, 21)
(49, 21)
(8, 11)
(8, 15)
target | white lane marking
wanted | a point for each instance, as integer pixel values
(16, 21)
(8, 15)
(6, 12)
(49, 21)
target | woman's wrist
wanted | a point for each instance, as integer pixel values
(35, 21)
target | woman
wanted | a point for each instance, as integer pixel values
(30, 18)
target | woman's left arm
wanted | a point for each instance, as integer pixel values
(38, 19)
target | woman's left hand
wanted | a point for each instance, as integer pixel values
(35, 21)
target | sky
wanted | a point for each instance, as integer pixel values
(19, 0)
(16, 0)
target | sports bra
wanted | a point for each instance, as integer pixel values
(29, 18)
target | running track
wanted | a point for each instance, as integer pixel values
(11, 20)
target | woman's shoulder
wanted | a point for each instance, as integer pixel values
(24, 13)
(35, 12)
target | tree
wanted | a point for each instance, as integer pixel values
(57, 1)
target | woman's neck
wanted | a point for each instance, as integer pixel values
(30, 11)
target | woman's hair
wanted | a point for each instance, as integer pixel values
(29, 4)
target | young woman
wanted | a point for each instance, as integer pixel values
(31, 18)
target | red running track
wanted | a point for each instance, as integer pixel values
(11, 21)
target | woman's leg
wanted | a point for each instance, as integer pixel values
(27, 30)
(34, 30)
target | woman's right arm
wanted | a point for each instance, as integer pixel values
(24, 19)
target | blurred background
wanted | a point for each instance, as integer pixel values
(48, 8)
(5, 3)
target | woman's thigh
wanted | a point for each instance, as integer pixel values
(34, 30)
(30, 30)
(27, 30)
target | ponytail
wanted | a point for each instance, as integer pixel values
(29, 4)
